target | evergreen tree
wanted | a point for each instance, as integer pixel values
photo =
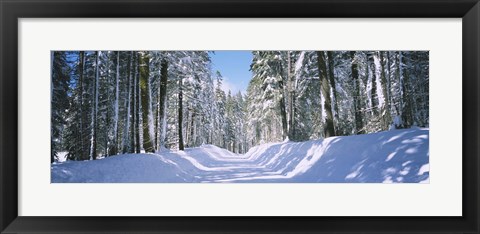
(268, 68)
(219, 118)
(59, 100)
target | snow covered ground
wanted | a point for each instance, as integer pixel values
(396, 156)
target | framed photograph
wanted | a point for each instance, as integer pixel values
(227, 116)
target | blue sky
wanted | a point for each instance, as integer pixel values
(235, 69)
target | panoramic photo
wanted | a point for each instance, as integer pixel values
(239, 117)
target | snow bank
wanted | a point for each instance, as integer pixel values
(397, 156)
(129, 168)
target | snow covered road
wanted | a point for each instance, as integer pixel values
(388, 157)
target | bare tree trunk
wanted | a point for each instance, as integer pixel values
(162, 107)
(291, 87)
(386, 105)
(406, 107)
(357, 104)
(283, 111)
(398, 104)
(389, 83)
(373, 95)
(322, 68)
(192, 130)
(331, 76)
(115, 119)
(52, 142)
(93, 140)
(134, 124)
(284, 117)
(138, 113)
(134, 103)
(81, 61)
(126, 131)
(144, 72)
(107, 126)
(187, 127)
(180, 115)
(136, 108)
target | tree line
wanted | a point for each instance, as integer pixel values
(312, 94)
(115, 102)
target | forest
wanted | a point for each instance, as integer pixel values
(106, 103)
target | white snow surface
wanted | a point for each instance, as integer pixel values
(396, 156)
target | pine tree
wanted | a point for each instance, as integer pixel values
(59, 100)
(268, 68)
(220, 123)
(75, 134)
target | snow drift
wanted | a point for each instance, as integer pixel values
(397, 156)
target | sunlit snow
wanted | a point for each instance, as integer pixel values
(397, 156)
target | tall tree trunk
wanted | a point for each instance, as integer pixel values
(151, 122)
(115, 118)
(322, 68)
(283, 115)
(389, 82)
(291, 89)
(373, 94)
(126, 131)
(187, 127)
(386, 105)
(106, 129)
(52, 140)
(331, 76)
(283, 109)
(398, 104)
(162, 107)
(357, 104)
(156, 123)
(144, 71)
(192, 130)
(180, 115)
(137, 104)
(81, 62)
(93, 140)
(133, 101)
(406, 107)
(364, 99)
(135, 145)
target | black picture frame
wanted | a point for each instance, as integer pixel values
(12, 10)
